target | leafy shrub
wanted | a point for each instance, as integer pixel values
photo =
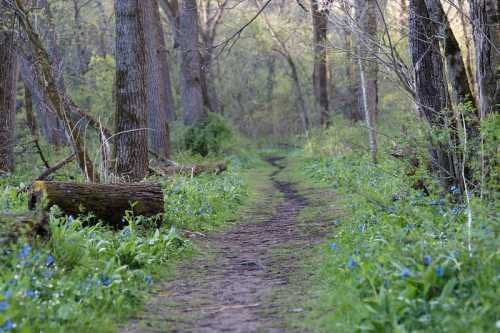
(208, 137)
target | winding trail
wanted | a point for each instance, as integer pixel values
(234, 286)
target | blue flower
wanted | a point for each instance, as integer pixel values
(439, 271)
(126, 232)
(454, 190)
(25, 251)
(361, 227)
(13, 282)
(148, 279)
(30, 293)
(106, 282)
(69, 220)
(7, 326)
(3, 306)
(8, 293)
(336, 222)
(333, 246)
(92, 234)
(351, 263)
(427, 260)
(405, 273)
(49, 261)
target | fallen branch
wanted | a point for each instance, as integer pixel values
(56, 167)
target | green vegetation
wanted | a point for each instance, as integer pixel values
(85, 277)
(398, 260)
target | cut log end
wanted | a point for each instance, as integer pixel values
(107, 203)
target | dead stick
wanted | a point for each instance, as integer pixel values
(56, 167)
(40, 152)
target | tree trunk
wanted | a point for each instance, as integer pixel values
(82, 55)
(156, 87)
(320, 31)
(107, 202)
(431, 90)
(468, 47)
(485, 15)
(105, 38)
(131, 141)
(366, 14)
(8, 83)
(60, 102)
(30, 114)
(298, 90)
(191, 90)
(455, 66)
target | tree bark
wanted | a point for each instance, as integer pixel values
(55, 93)
(485, 15)
(8, 84)
(320, 31)
(107, 202)
(30, 114)
(431, 90)
(366, 14)
(468, 47)
(131, 141)
(159, 94)
(455, 65)
(191, 89)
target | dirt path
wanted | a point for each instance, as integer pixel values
(233, 287)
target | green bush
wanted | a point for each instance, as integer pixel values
(208, 137)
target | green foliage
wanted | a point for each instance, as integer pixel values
(85, 277)
(399, 261)
(209, 137)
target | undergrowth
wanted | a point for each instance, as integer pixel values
(400, 260)
(84, 278)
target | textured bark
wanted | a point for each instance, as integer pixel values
(455, 65)
(30, 114)
(320, 31)
(55, 94)
(353, 109)
(107, 202)
(191, 90)
(105, 36)
(82, 54)
(131, 141)
(159, 95)
(431, 89)
(468, 45)
(366, 14)
(8, 83)
(485, 15)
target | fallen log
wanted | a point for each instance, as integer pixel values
(107, 202)
(192, 170)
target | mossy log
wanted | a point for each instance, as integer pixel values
(193, 170)
(107, 202)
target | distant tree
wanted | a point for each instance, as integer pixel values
(485, 15)
(190, 75)
(320, 74)
(131, 141)
(159, 92)
(367, 47)
(8, 82)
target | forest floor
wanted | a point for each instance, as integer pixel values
(251, 277)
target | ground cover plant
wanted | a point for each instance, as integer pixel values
(400, 260)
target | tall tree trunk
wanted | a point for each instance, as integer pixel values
(55, 93)
(298, 90)
(156, 85)
(368, 67)
(105, 36)
(320, 31)
(131, 141)
(8, 83)
(468, 46)
(485, 15)
(191, 90)
(82, 55)
(455, 65)
(30, 114)
(431, 90)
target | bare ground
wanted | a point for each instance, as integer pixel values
(241, 281)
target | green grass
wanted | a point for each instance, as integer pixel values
(397, 261)
(89, 278)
